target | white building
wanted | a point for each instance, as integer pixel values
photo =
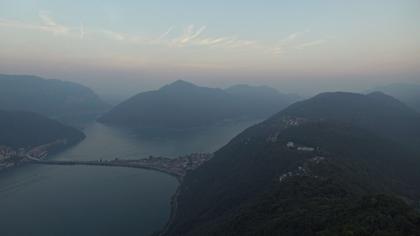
(290, 144)
(306, 149)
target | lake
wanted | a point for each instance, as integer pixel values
(88, 200)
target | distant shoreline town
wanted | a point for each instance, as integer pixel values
(11, 157)
(177, 167)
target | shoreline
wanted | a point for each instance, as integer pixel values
(174, 206)
(50, 149)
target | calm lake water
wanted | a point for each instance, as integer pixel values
(87, 200)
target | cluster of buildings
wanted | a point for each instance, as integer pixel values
(8, 156)
(176, 166)
(39, 153)
(299, 172)
(194, 160)
(292, 145)
(303, 170)
(317, 159)
(286, 122)
(6, 152)
(293, 121)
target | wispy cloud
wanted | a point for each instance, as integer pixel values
(295, 41)
(311, 44)
(193, 36)
(190, 36)
(166, 33)
(47, 24)
(51, 25)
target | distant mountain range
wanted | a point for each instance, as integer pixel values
(335, 164)
(65, 101)
(407, 93)
(19, 129)
(184, 105)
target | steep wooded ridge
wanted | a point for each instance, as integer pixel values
(65, 101)
(334, 164)
(184, 105)
(20, 129)
(376, 112)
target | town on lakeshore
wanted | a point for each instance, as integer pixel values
(10, 157)
(177, 167)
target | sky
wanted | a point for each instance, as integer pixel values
(127, 46)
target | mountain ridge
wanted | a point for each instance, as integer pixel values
(182, 104)
(61, 100)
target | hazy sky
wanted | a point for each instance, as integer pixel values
(147, 43)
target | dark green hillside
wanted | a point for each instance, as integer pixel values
(356, 164)
(352, 182)
(322, 209)
(26, 129)
(376, 112)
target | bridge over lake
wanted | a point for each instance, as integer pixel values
(177, 167)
